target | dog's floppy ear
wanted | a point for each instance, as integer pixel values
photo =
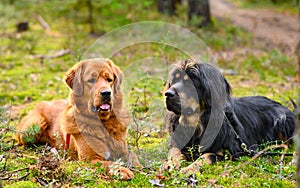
(210, 83)
(73, 78)
(118, 77)
(216, 87)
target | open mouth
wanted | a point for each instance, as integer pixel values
(102, 107)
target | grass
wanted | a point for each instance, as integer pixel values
(28, 80)
(281, 6)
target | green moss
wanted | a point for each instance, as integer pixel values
(23, 184)
(281, 6)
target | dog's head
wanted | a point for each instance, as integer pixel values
(194, 87)
(96, 85)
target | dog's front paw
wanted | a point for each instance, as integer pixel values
(171, 165)
(174, 158)
(122, 173)
(192, 168)
(207, 158)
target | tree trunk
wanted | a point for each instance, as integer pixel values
(90, 18)
(22, 26)
(167, 6)
(198, 12)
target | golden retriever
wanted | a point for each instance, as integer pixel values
(92, 123)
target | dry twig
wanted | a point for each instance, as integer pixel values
(138, 171)
(27, 156)
(261, 153)
(7, 175)
(43, 23)
(60, 53)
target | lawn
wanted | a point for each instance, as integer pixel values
(30, 73)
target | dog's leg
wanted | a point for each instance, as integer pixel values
(133, 160)
(206, 158)
(34, 118)
(174, 158)
(115, 169)
(86, 153)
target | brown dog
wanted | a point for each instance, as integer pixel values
(92, 123)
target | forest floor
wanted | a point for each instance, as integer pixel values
(259, 58)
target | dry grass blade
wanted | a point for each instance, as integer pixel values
(8, 175)
(261, 153)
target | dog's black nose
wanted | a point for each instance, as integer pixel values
(105, 93)
(169, 93)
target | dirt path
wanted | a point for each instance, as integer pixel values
(269, 27)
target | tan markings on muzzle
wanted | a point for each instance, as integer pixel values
(193, 103)
(190, 102)
(193, 118)
(191, 121)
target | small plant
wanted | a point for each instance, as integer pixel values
(30, 134)
(5, 129)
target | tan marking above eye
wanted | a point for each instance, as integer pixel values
(177, 75)
(185, 77)
(106, 75)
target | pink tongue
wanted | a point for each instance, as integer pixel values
(105, 107)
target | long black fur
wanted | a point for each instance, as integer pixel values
(250, 120)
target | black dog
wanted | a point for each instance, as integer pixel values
(203, 118)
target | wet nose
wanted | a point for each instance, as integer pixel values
(105, 93)
(169, 93)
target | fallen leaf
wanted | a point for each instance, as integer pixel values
(28, 99)
(33, 77)
(12, 86)
(160, 177)
(50, 83)
(156, 183)
(212, 181)
(192, 180)
(224, 174)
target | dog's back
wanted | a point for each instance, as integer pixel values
(263, 119)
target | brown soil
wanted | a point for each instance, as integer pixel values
(272, 28)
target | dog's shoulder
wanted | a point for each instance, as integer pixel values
(68, 122)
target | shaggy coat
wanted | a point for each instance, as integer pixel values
(204, 119)
(92, 123)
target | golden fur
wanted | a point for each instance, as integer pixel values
(93, 116)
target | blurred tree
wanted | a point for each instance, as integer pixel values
(88, 4)
(167, 6)
(90, 18)
(198, 10)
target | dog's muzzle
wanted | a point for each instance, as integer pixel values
(173, 101)
(105, 104)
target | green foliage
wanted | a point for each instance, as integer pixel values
(229, 36)
(23, 184)
(30, 134)
(4, 126)
(278, 5)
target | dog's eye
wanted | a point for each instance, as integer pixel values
(109, 80)
(92, 80)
